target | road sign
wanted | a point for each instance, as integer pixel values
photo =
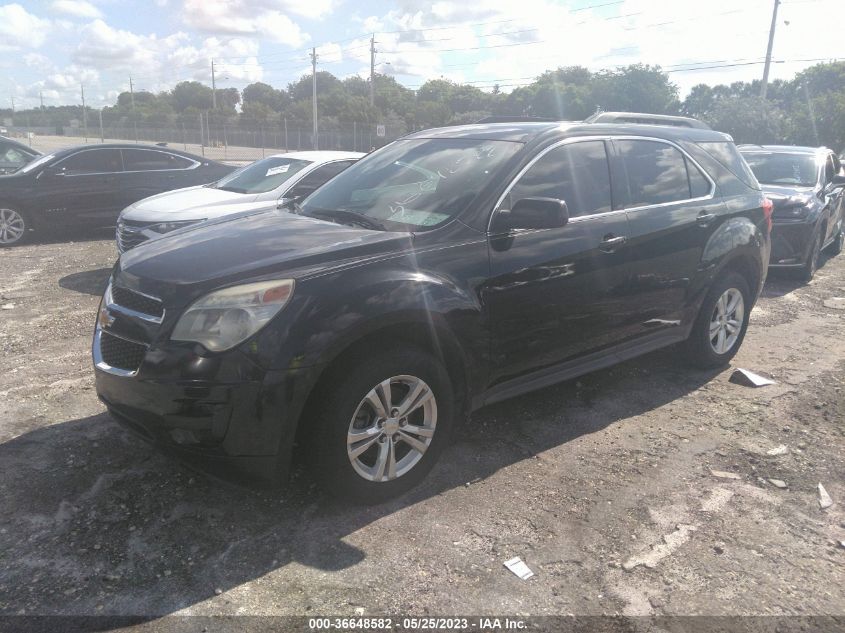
(380, 131)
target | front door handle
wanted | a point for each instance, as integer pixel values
(611, 242)
(705, 219)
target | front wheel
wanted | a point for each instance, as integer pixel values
(808, 271)
(721, 324)
(383, 425)
(13, 226)
(838, 243)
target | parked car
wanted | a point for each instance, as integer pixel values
(14, 155)
(88, 186)
(806, 186)
(270, 179)
(448, 270)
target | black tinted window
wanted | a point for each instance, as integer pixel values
(829, 169)
(151, 160)
(318, 177)
(656, 172)
(92, 161)
(576, 173)
(699, 186)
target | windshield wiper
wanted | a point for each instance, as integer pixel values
(233, 189)
(349, 216)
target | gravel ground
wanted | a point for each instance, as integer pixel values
(605, 486)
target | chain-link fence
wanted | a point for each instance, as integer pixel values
(233, 142)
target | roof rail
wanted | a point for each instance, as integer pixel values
(644, 118)
(514, 118)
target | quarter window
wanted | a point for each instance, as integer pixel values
(92, 161)
(152, 160)
(576, 173)
(656, 173)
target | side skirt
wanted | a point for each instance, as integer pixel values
(580, 366)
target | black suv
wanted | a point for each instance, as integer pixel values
(806, 186)
(451, 269)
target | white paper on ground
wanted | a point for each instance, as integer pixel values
(519, 568)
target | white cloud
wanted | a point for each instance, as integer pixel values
(76, 8)
(21, 29)
(243, 17)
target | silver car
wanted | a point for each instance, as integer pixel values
(276, 178)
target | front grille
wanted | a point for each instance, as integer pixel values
(120, 353)
(136, 301)
(129, 235)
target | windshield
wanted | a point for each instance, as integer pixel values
(413, 184)
(783, 169)
(262, 176)
(36, 163)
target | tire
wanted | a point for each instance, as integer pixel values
(348, 407)
(838, 243)
(704, 351)
(808, 270)
(14, 226)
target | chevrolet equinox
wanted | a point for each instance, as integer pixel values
(449, 270)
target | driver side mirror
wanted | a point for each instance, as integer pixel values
(837, 182)
(532, 213)
(289, 202)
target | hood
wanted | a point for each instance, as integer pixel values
(787, 196)
(190, 203)
(246, 247)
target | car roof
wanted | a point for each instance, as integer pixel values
(11, 141)
(526, 132)
(319, 156)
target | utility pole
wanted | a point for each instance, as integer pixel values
(13, 105)
(373, 70)
(84, 115)
(812, 113)
(314, 90)
(213, 88)
(41, 97)
(769, 51)
(102, 136)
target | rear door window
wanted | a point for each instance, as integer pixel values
(92, 161)
(577, 173)
(699, 186)
(656, 172)
(153, 160)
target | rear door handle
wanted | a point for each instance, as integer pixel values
(610, 243)
(705, 219)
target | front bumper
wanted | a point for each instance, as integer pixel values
(232, 429)
(791, 243)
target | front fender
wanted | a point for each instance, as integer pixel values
(333, 311)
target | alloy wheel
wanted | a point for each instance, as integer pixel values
(726, 321)
(12, 226)
(392, 428)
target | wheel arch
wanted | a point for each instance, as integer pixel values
(423, 330)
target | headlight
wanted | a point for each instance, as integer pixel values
(224, 318)
(167, 227)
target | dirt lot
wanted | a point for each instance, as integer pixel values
(602, 485)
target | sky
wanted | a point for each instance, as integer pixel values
(49, 48)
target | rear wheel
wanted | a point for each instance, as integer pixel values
(721, 324)
(808, 271)
(382, 425)
(14, 226)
